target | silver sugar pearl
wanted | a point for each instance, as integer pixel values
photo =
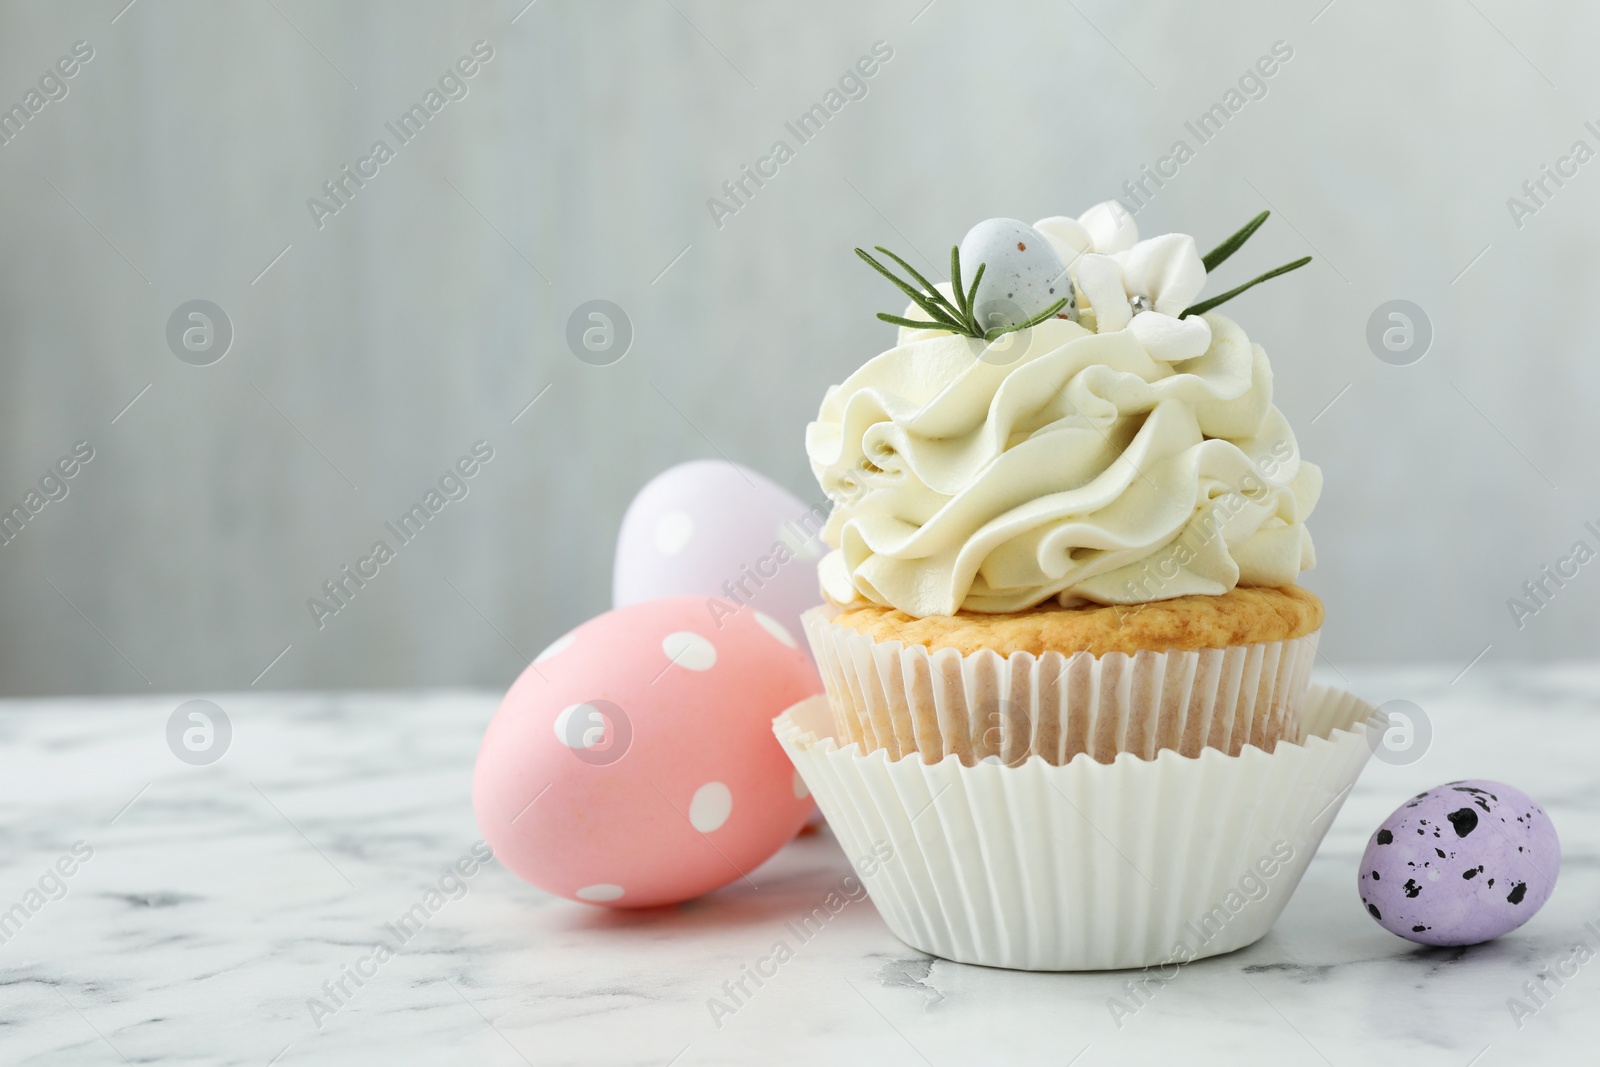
(1140, 304)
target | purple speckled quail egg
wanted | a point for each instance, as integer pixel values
(1022, 274)
(1460, 864)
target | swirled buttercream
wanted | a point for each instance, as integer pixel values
(1058, 464)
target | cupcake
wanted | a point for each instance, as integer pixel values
(1066, 516)
(1067, 722)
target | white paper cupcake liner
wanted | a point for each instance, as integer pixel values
(1087, 866)
(904, 698)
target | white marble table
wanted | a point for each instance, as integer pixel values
(219, 902)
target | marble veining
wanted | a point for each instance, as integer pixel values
(226, 911)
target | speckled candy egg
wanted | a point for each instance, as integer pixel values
(1022, 274)
(1462, 863)
(633, 763)
(712, 528)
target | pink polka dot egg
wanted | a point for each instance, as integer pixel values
(633, 762)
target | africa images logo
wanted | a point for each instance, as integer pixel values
(52, 88)
(343, 186)
(454, 485)
(737, 192)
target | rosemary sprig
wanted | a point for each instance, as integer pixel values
(955, 283)
(1001, 331)
(972, 294)
(1207, 305)
(932, 308)
(932, 290)
(957, 317)
(1217, 255)
(1213, 259)
(914, 324)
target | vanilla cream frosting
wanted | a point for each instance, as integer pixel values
(1086, 462)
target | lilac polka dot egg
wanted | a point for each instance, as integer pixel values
(1460, 864)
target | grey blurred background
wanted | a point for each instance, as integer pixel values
(371, 352)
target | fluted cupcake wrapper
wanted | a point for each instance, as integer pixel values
(902, 699)
(1086, 866)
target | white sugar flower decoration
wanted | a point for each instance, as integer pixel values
(1132, 284)
(1146, 289)
(1146, 286)
(1104, 228)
